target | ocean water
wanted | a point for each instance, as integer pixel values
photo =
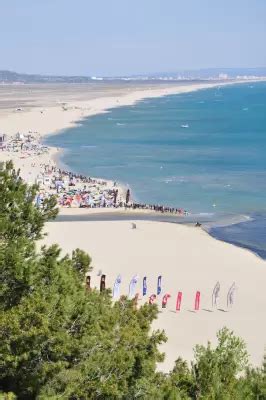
(216, 166)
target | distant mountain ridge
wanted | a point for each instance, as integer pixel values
(15, 77)
(200, 74)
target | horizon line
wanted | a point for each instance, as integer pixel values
(183, 70)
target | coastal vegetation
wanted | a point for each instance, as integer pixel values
(62, 341)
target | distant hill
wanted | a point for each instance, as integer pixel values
(15, 77)
(200, 74)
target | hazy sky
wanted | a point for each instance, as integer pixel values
(115, 37)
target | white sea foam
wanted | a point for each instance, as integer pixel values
(175, 179)
(227, 220)
(206, 214)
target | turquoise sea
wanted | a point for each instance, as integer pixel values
(215, 167)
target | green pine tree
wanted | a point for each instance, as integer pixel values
(57, 338)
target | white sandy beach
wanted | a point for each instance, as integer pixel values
(187, 258)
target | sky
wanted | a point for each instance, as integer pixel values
(126, 37)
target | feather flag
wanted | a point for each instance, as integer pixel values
(215, 294)
(102, 283)
(116, 288)
(144, 290)
(165, 299)
(132, 286)
(159, 285)
(197, 301)
(152, 298)
(179, 301)
(231, 295)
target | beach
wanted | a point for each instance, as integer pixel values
(187, 258)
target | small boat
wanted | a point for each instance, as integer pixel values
(185, 126)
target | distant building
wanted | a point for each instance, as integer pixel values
(223, 76)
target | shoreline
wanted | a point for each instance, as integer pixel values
(72, 113)
(79, 111)
(131, 99)
(121, 214)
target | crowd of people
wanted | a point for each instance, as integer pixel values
(72, 177)
(80, 191)
(76, 190)
(28, 145)
(156, 207)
